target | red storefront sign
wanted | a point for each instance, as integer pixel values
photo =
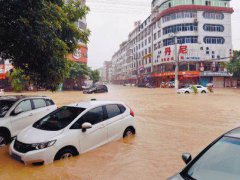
(182, 73)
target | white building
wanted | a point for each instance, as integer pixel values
(202, 29)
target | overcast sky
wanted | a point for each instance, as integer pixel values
(110, 22)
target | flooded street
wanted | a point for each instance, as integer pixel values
(168, 125)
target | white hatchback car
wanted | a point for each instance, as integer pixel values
(72, 130)
(189, 89)
(18, 112)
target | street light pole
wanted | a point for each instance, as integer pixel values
(176, 63)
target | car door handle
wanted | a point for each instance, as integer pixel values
(31, 114)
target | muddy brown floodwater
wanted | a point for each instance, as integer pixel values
(168, 125)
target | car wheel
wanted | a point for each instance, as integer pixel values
(65, 154)
(3, 140)
(187, 92)
(129, 132)
(204, 92)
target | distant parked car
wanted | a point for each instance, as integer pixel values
(96, 89)
(220, 160)
(18, 112)
(72, 130)
(171, 84)
(189, 89)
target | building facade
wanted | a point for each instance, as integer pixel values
(196, 34)
(107, 72)
(81, 53)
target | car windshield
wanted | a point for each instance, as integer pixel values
(221, 161)
(5, 105)
(58, 119)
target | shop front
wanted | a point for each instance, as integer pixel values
(185, 77)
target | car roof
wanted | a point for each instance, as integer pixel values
(19, 97)
(235, 133)
(93, 103)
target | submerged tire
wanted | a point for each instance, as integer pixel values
(65, 154)
(129, 132)
(4, 140)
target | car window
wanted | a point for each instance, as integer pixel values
(5, 105)
(58, 119)
(49, 102)
(112, 110)
(122, 108)
(24, 106)
(199, 87)
(39, 103)
(94, 116)
(221, 161)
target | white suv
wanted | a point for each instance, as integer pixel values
(18, 112)
(73, 130)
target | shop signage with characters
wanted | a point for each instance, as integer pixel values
(169, 54)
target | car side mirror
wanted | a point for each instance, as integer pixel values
(86, 126)
(186, 157)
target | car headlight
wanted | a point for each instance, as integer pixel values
(43, 145)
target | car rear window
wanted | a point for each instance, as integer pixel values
(122, 108)
(39, 103)
(113, 110)
(49, 102)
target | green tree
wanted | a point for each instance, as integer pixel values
(78, 70)
(234, 65)
(37, 35)
(17, 80)
(94, 75)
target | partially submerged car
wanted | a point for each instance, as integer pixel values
(189, 89)
(72, 130)
(96, 89)
(18, 112)
(220, 160)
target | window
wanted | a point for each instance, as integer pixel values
(113, 110)
(58, 119)
(93, 116)
(212, 15)
(179, 15)
(181, 40)
(5, 105)
(180, 27)
(214, 40)
(49, 102)
(208, 3)
(39, 103)
(25, 106)
(155, 36)
(213, 28)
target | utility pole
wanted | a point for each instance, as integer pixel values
(176, 63)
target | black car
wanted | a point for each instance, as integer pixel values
(96, 89)
(219, 161)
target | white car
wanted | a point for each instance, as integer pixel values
(188, 90)
(18, 112)
(72, 130)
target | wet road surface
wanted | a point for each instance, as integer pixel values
(168, 125)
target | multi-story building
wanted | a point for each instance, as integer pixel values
(202, 32)
(106, 71)
(81, 53)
